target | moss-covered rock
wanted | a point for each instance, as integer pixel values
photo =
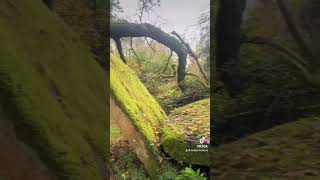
(183, 130)
(53, 91)
(89, 19)
(140, 107)
(289, 151)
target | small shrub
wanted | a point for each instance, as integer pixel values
(189, 174)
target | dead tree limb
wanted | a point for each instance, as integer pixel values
(119, 30)
(193, 55)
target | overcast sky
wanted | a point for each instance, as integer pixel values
(178, 15)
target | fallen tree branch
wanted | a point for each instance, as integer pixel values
(192, 55)
(119, 30)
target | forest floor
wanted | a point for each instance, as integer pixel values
(126, 165)
(124, 162)
(289, 151)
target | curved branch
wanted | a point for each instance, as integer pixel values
(119, 30)
(192, 55)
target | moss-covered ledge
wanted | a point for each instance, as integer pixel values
(289, 151)
(53, 91)
(182, 132)
(140, 107)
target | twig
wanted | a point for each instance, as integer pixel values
(134, 52)
(204, 82)
(169, 58)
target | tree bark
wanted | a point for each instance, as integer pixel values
(228, 38)
(119, 30)
(192, 55)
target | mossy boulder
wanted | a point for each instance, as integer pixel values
(289, 151)
(143, 112)
(182, 132)
(89, 19)
(53, 91)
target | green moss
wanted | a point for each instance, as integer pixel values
(139, 106)
(284, 151)
(183, 130)
(52, 89)
(134, 99)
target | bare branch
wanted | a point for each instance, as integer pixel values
(192, 55)
(134, 52)
(169, 58)
(150, 45)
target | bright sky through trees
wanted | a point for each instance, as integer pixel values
(179, 15)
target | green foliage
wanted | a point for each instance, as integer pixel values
(167, 95)
(167, 172)
(189, 174)
(129, 167)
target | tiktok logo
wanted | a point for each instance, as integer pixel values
(202, 140)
